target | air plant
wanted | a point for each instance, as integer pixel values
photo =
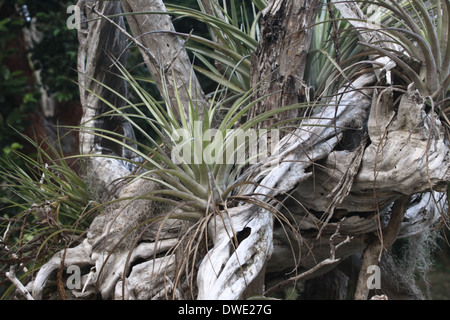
(175, 155)
(419, 32)
(47, 206)
(334, 54)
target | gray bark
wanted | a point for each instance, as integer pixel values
(285, 25)
(165, 57)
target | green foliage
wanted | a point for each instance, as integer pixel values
(224, 52)
(54, 56)
(333, 55)
(12, 84)
(56, 53)
(197, 185)
(44, 204)
(47, 206)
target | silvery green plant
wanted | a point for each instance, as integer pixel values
(420, 29)
(189, 179)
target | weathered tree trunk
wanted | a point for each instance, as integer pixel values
(336, 196)
(286, 26)
(278, 74)
(165, 54)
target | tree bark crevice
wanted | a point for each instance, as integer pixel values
(286, 25)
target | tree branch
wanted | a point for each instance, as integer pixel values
(172, 72)
(286, 26)
(11, 275)
(372, 255)
(129, 36)
(329, 261)
(102, 42)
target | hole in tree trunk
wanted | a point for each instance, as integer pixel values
(241, 236)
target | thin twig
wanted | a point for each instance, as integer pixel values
(373, 252)
(89, 278)
(301, 276)
(169, 65)
(344, 186)
(329, 261)
(334, 36)
(11, 275)
(59, 277)
(333, 247)
(129, 36)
